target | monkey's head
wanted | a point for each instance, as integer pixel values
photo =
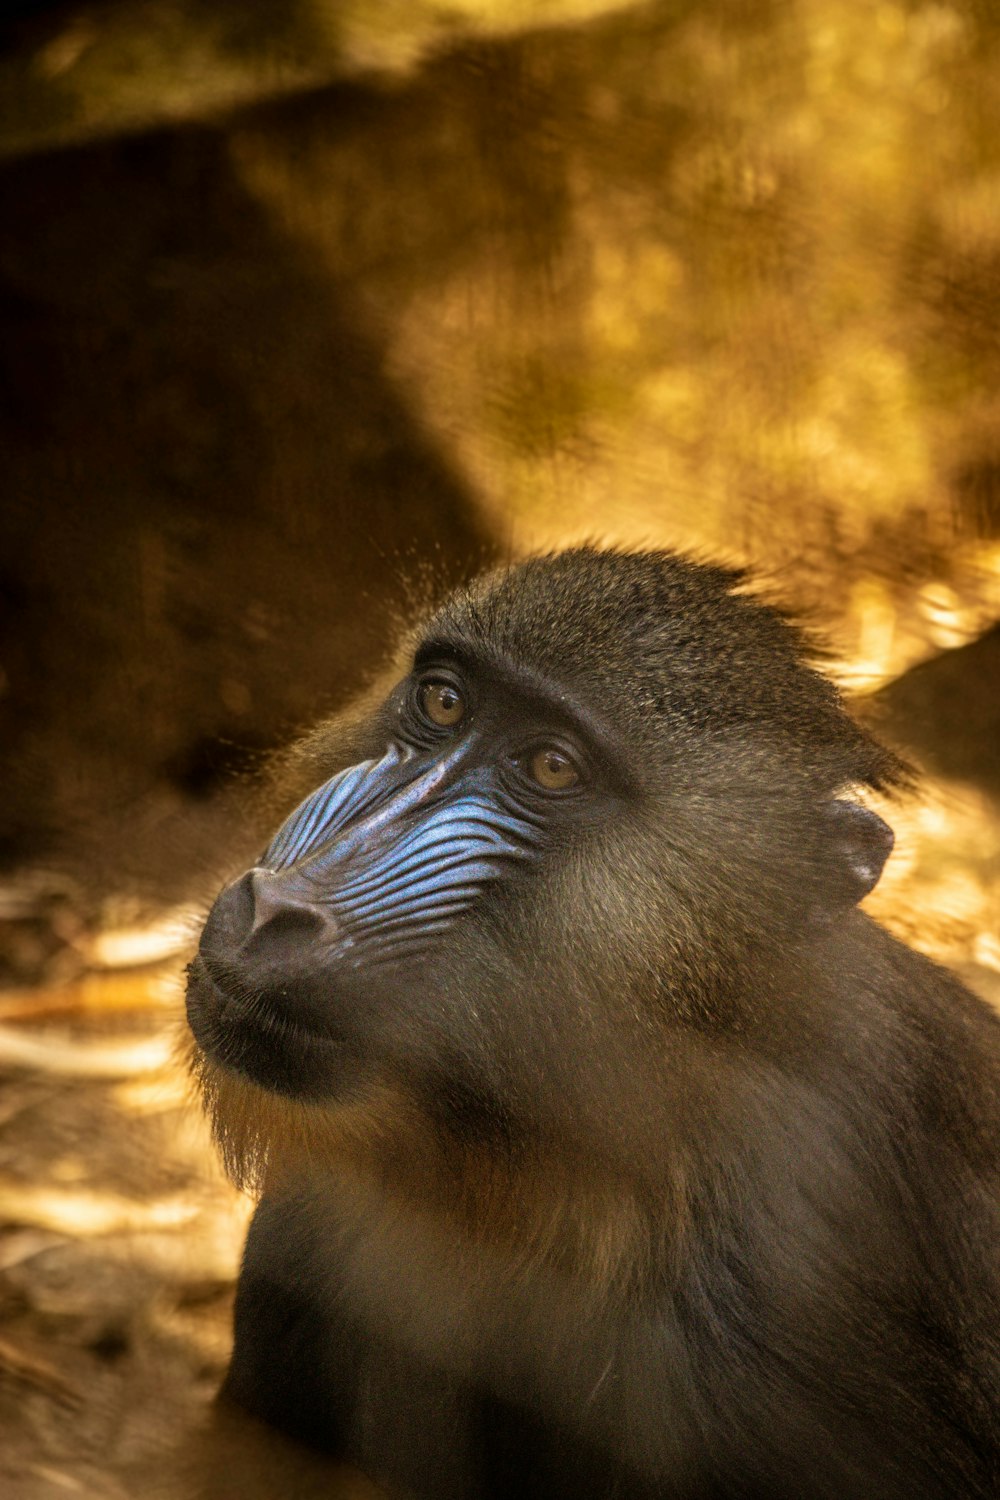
(591, 833)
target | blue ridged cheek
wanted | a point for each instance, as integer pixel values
(395, 853)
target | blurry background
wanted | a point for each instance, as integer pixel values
(310, 310)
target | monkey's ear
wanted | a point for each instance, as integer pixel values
(860, 844)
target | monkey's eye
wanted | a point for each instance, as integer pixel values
(552, 769)
(443, 704)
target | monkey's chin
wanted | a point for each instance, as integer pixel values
(252, 1042)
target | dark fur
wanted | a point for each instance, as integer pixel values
(676, 1176)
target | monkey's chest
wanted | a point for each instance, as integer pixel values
(457, 1371)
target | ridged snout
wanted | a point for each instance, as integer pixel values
(371, 870)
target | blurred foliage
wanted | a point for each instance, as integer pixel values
(719, 274)
(82, 72)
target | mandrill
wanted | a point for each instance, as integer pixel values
(605, 1147)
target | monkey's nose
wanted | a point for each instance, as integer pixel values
(262, 918)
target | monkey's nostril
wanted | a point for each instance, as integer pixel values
(283, 920)
(286, 924)
(277, 905)
(262, 915)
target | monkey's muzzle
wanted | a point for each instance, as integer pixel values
(369, 873)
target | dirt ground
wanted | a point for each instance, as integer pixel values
(119, 1245)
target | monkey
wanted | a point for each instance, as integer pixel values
(605, 1146)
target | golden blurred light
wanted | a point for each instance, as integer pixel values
(80, 1213)
(154, 1095)
(135, 946)
(950, 623)
(62, 1055)
(872, 608)
(986, 950)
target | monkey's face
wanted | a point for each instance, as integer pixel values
(339, 948)
(574, 823)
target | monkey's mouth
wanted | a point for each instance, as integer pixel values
(247, 1037)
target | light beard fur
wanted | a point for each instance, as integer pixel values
(542, 1209)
